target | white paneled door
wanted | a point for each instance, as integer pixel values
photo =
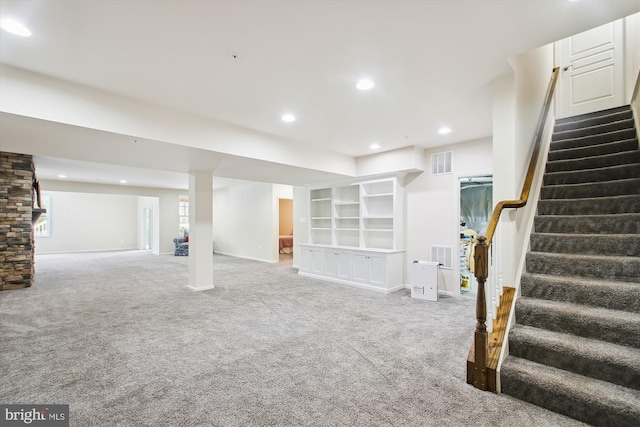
(591, 66)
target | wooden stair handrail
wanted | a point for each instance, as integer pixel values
(481, 257)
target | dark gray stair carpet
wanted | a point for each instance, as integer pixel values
(575, 348)
(613, 295)
(585, 141)
(625, 245)
(616, 364)
(592, 189)
(592, 129)
(629, 157)
(624, 223)
(582, 122)
(625, 269)
(590, 205)
(613, 326)
(593, 175)
(592, 401)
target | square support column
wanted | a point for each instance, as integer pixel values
(200, 231)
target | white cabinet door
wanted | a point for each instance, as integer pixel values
(331, 263)
(307, 260)
(344, 265)
(338, 263)
(377, 269)
(369, 268)
(318, 261)
(360, 267)
(312, 260)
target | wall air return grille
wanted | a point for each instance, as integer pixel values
(441, 163)
(442, 255)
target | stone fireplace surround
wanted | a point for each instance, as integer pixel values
(17, 179)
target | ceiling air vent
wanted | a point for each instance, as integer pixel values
(441, 163)
(442, 255)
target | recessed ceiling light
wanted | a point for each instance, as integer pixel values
(444, 130)
(123, 181)
(62, 176)
(288, 118)
(14, 27)
(375, 146)
(365, 84)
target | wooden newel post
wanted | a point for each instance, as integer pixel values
(481, 338)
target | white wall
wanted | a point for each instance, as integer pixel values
(300, 221)
(631, 53)
(431, 206)
(245, 221)
(90, 222)
(517, 104)
(167, 211)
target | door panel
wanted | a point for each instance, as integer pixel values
(592, 71)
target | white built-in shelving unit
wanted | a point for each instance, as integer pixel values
(355, 234)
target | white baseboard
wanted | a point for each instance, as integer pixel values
(246, 257)
(200, 288)
(354, 284)
(90, 251)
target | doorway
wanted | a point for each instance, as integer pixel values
(285, 230)
(592, 70)
(147, 229)
(476, 206)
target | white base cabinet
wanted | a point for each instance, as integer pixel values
(379, 270)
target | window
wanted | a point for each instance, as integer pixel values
(183, 214)
(42, 227)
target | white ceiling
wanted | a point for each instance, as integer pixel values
(432, 61)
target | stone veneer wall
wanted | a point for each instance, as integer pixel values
(16, 235)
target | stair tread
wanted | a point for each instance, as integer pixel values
(629, 215)
(603, 145)
(579, 386)
(586, 244)
(602, 293)
(580, 280)
(582, 310)
(604, 158)
(611, 136)
(593, 170)
(594, 199)
(594, 258)
(580, 184)
(579, 122)
(597, 128)
(603, 113)
(600, 351)
(583, 235)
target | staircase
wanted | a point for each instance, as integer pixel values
(575, 348)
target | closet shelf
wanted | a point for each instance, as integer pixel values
(378, 195)
(326, 199)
